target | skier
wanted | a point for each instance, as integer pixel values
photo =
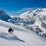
(10, 30)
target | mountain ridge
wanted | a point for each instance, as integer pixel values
(4, 16)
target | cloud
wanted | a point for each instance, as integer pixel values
(21, 11)
(15, 12)
(25, 9)
(11, 12)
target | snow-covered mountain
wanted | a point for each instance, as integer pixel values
(30, 17)
(38, 12)
(20, 36)
(4, 16)
(32, 20)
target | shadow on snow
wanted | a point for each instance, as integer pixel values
(10, 37)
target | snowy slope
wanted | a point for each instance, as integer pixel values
(9, 25)
(19, 38)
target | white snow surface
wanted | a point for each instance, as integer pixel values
(20, 36)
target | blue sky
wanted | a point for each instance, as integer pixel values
(16, 7)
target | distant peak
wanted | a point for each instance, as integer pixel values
(1, 11)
